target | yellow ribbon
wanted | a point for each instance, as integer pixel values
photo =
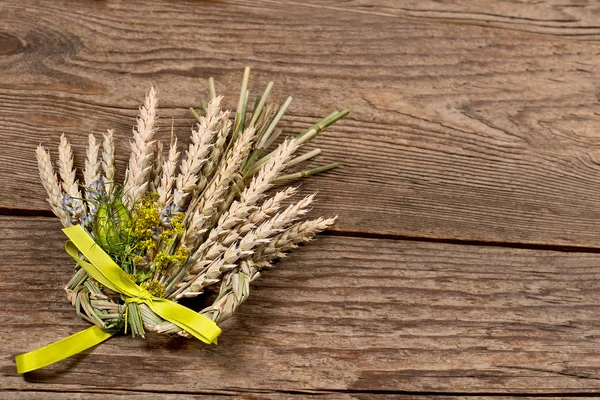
(104, 270)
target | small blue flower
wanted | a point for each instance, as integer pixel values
(96, 190)
(168, 213)
(73, 208)
(88, 222)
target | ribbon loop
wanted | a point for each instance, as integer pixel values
(103, 269)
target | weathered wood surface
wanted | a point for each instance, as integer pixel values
(348, 316)
(550, 17)
(472, 122)
(457, 131)
(116, 394)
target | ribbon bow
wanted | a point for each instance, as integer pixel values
(104, 270)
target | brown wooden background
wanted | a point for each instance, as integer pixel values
(466, 258)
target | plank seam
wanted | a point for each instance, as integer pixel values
(25, 213)
(466, 242)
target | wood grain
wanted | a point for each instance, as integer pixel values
(345, 315)
(550, 17)
(220, 395)
(266, 395)
(457, 131)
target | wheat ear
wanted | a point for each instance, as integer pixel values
(108, 159)
(267, 209)
(157, 165)
(50, 182)
(140, 162)
(268, 172)
(72, 201)
(235, 287)
(65, 168)
(212, 248)
(197, 154)
(225, 233)
(91, 173)
(218, 189)
(165, 193)
(300, 232)
(201, 275)
(240, 210)
(217, 150)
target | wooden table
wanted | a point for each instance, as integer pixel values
(466, 256)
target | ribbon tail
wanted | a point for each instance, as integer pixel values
(60, 350)
(195, 324)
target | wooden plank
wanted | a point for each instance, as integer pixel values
(110, 395)
(343, 315)
(249, 395)
(456, 132)
(551, 17)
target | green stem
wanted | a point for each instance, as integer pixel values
(195, 114)
(308, 172)
(243, 120)
(266, 119)
(253, 157)
(304, 137)
(320, 127)
(135, 320)
(258, 110)
(272, 138)
(204, 107)
(327, 118)
(304, 157)
(239, 114)
(274, 123)
(211, 88)
(256, 166)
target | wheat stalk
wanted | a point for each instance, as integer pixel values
(141, 150)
